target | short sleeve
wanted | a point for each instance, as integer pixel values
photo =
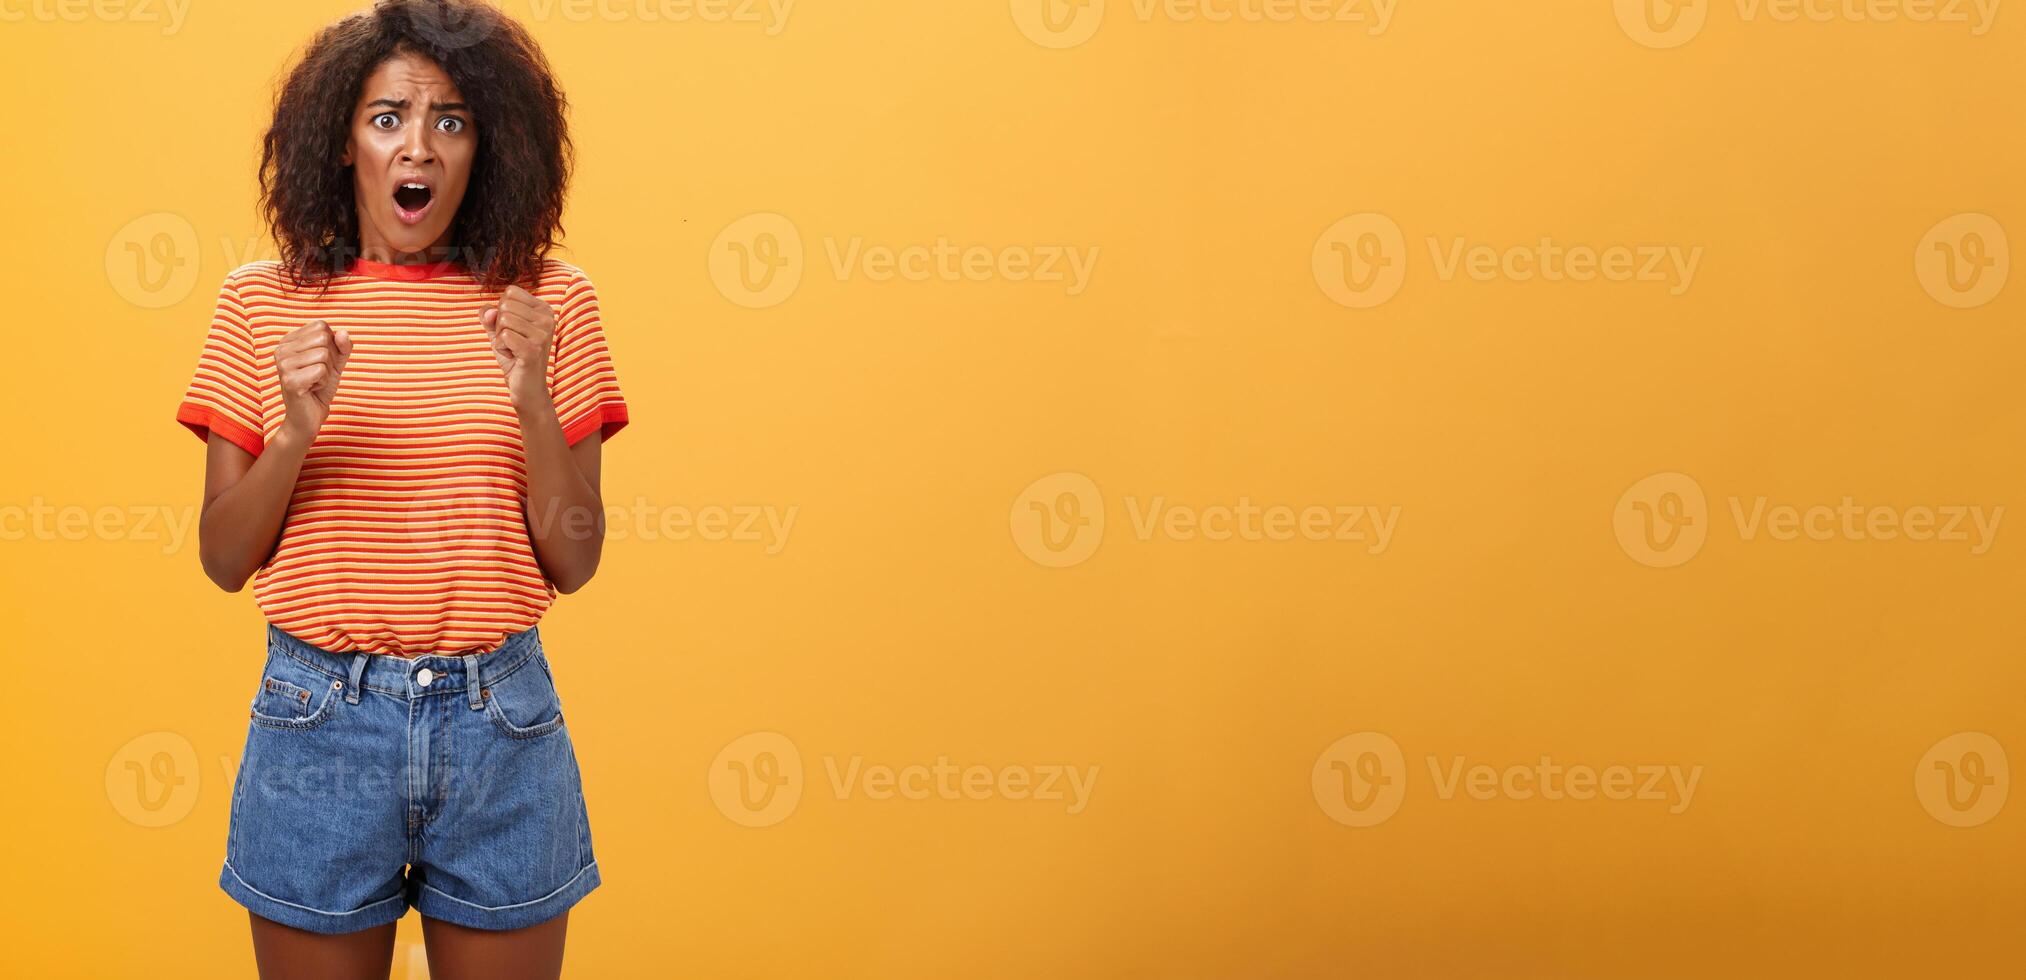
(583, 385)
(224, 392)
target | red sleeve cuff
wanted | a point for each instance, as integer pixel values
(605, 417)
(203, 420)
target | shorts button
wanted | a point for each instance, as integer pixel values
(424, 676)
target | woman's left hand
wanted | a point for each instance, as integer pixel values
(521, 329)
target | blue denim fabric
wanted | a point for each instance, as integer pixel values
(354, 767)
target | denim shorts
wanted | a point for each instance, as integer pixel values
(370, 783)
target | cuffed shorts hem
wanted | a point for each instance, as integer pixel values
(302, 916)
(440, 905)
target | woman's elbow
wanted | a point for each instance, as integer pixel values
(567, 584)
(221, 569)
(571, 579)
(231, 580)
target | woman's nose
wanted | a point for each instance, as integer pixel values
(416, 149)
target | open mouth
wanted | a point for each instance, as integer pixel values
(411, 201)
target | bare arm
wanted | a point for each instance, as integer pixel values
(565, 514)
(246, 497)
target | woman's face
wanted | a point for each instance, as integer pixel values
(411, 146)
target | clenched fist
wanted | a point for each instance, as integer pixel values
(309, 361)
(521, 329)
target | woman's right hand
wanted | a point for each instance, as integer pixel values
(310, 360)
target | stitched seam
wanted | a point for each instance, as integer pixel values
(498, 716)
(446, 765)
(528, 653)
(235, 876)
(233, 815)
(534, 901)
(302, 724)
(413, 775)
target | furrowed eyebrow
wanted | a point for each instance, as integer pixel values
(433, 106)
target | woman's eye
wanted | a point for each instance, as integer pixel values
(386, 120)
(450, 124)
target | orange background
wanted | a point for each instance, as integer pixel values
(1513, 615)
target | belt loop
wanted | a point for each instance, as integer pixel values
(471, 681)
(358, 677)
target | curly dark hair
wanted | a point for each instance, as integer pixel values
(512, 211)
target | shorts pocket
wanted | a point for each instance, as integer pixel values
(524, 703)
(292, 695)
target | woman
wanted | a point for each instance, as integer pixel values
(403, 418)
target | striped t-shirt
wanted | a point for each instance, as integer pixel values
(406, 533)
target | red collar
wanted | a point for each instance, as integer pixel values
(406, 273)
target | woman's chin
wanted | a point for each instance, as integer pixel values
(414, 246)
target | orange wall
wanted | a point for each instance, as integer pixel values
(1300, 430)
